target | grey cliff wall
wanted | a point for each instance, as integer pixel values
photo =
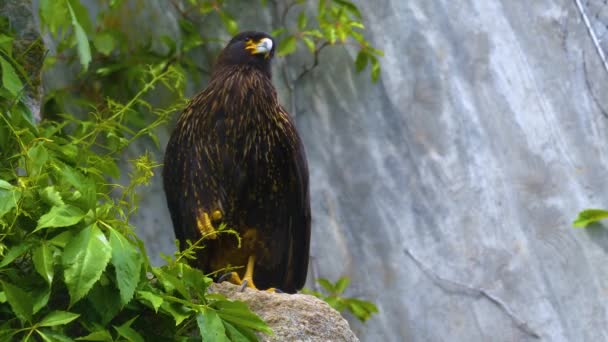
(446, 191)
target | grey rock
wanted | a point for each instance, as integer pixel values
(294, 317)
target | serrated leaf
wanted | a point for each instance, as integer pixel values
(129, 333)
(238, 313)
(104, 42)
(127, 263)
(85, 257)
(105, 300)
(341, 284)
(62, 239)
(57, 318)
(82, 41)
(100, 335)
(10, 79)
(40, 298)
(15, 252)
(361, 61)
(239, 335)
(64, 216)
(43, 262)
(37, 157)
(178, 311)
(9, 199)
(20, 301)
(302, 21)
(589, 216)
(51, 196)
(210, 326)
(152, 298)
(287, 46)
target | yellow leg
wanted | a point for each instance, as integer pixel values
(204, 225)
(247, 280)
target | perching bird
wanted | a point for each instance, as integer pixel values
(235, 158)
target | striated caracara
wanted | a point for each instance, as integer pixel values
(235, 158)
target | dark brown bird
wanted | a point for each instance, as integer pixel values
(235, 158)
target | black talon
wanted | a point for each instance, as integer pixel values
(243, 285)
(278, 290)
(224, 277)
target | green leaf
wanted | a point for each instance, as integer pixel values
(37, 157)
(310, 44)
(341, 284)
(238, 313)
(228, 20)
(105, 300)
(15, 252)
(40, 297)
(62, 239)
(2, 297)
(154, 299)
(277, 32)
(361, 61)
(64, 216)
(302, 21)
(51, 196)
(589, 216)
(104, 42)
(326, 284)
(6, 44)
(287, 46)
(9, 199)
(20, 301)
(352, 8)
(57, 318)
(99, 335)
(43, 262)
(178, 311)
(211, 327)
(129, 333)
(82, 41)
(239, 335)
(51, 336)
(127, 263)
(84, 259)
(375, 69)
(10, 79)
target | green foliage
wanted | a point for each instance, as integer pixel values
(70, 263)
(337, 22)
(589, 216)
(333, 295)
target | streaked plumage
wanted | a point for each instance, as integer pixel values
(235, 154)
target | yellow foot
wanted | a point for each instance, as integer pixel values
(203, 223)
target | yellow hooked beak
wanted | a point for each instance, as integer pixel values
(263, 46)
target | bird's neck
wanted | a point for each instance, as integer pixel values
(244, 88)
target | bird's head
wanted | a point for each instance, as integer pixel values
(249, 48)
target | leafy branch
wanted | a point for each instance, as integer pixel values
(333, 295)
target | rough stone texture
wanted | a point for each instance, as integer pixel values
(446, 191)
(295, 317)
(23, 23)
